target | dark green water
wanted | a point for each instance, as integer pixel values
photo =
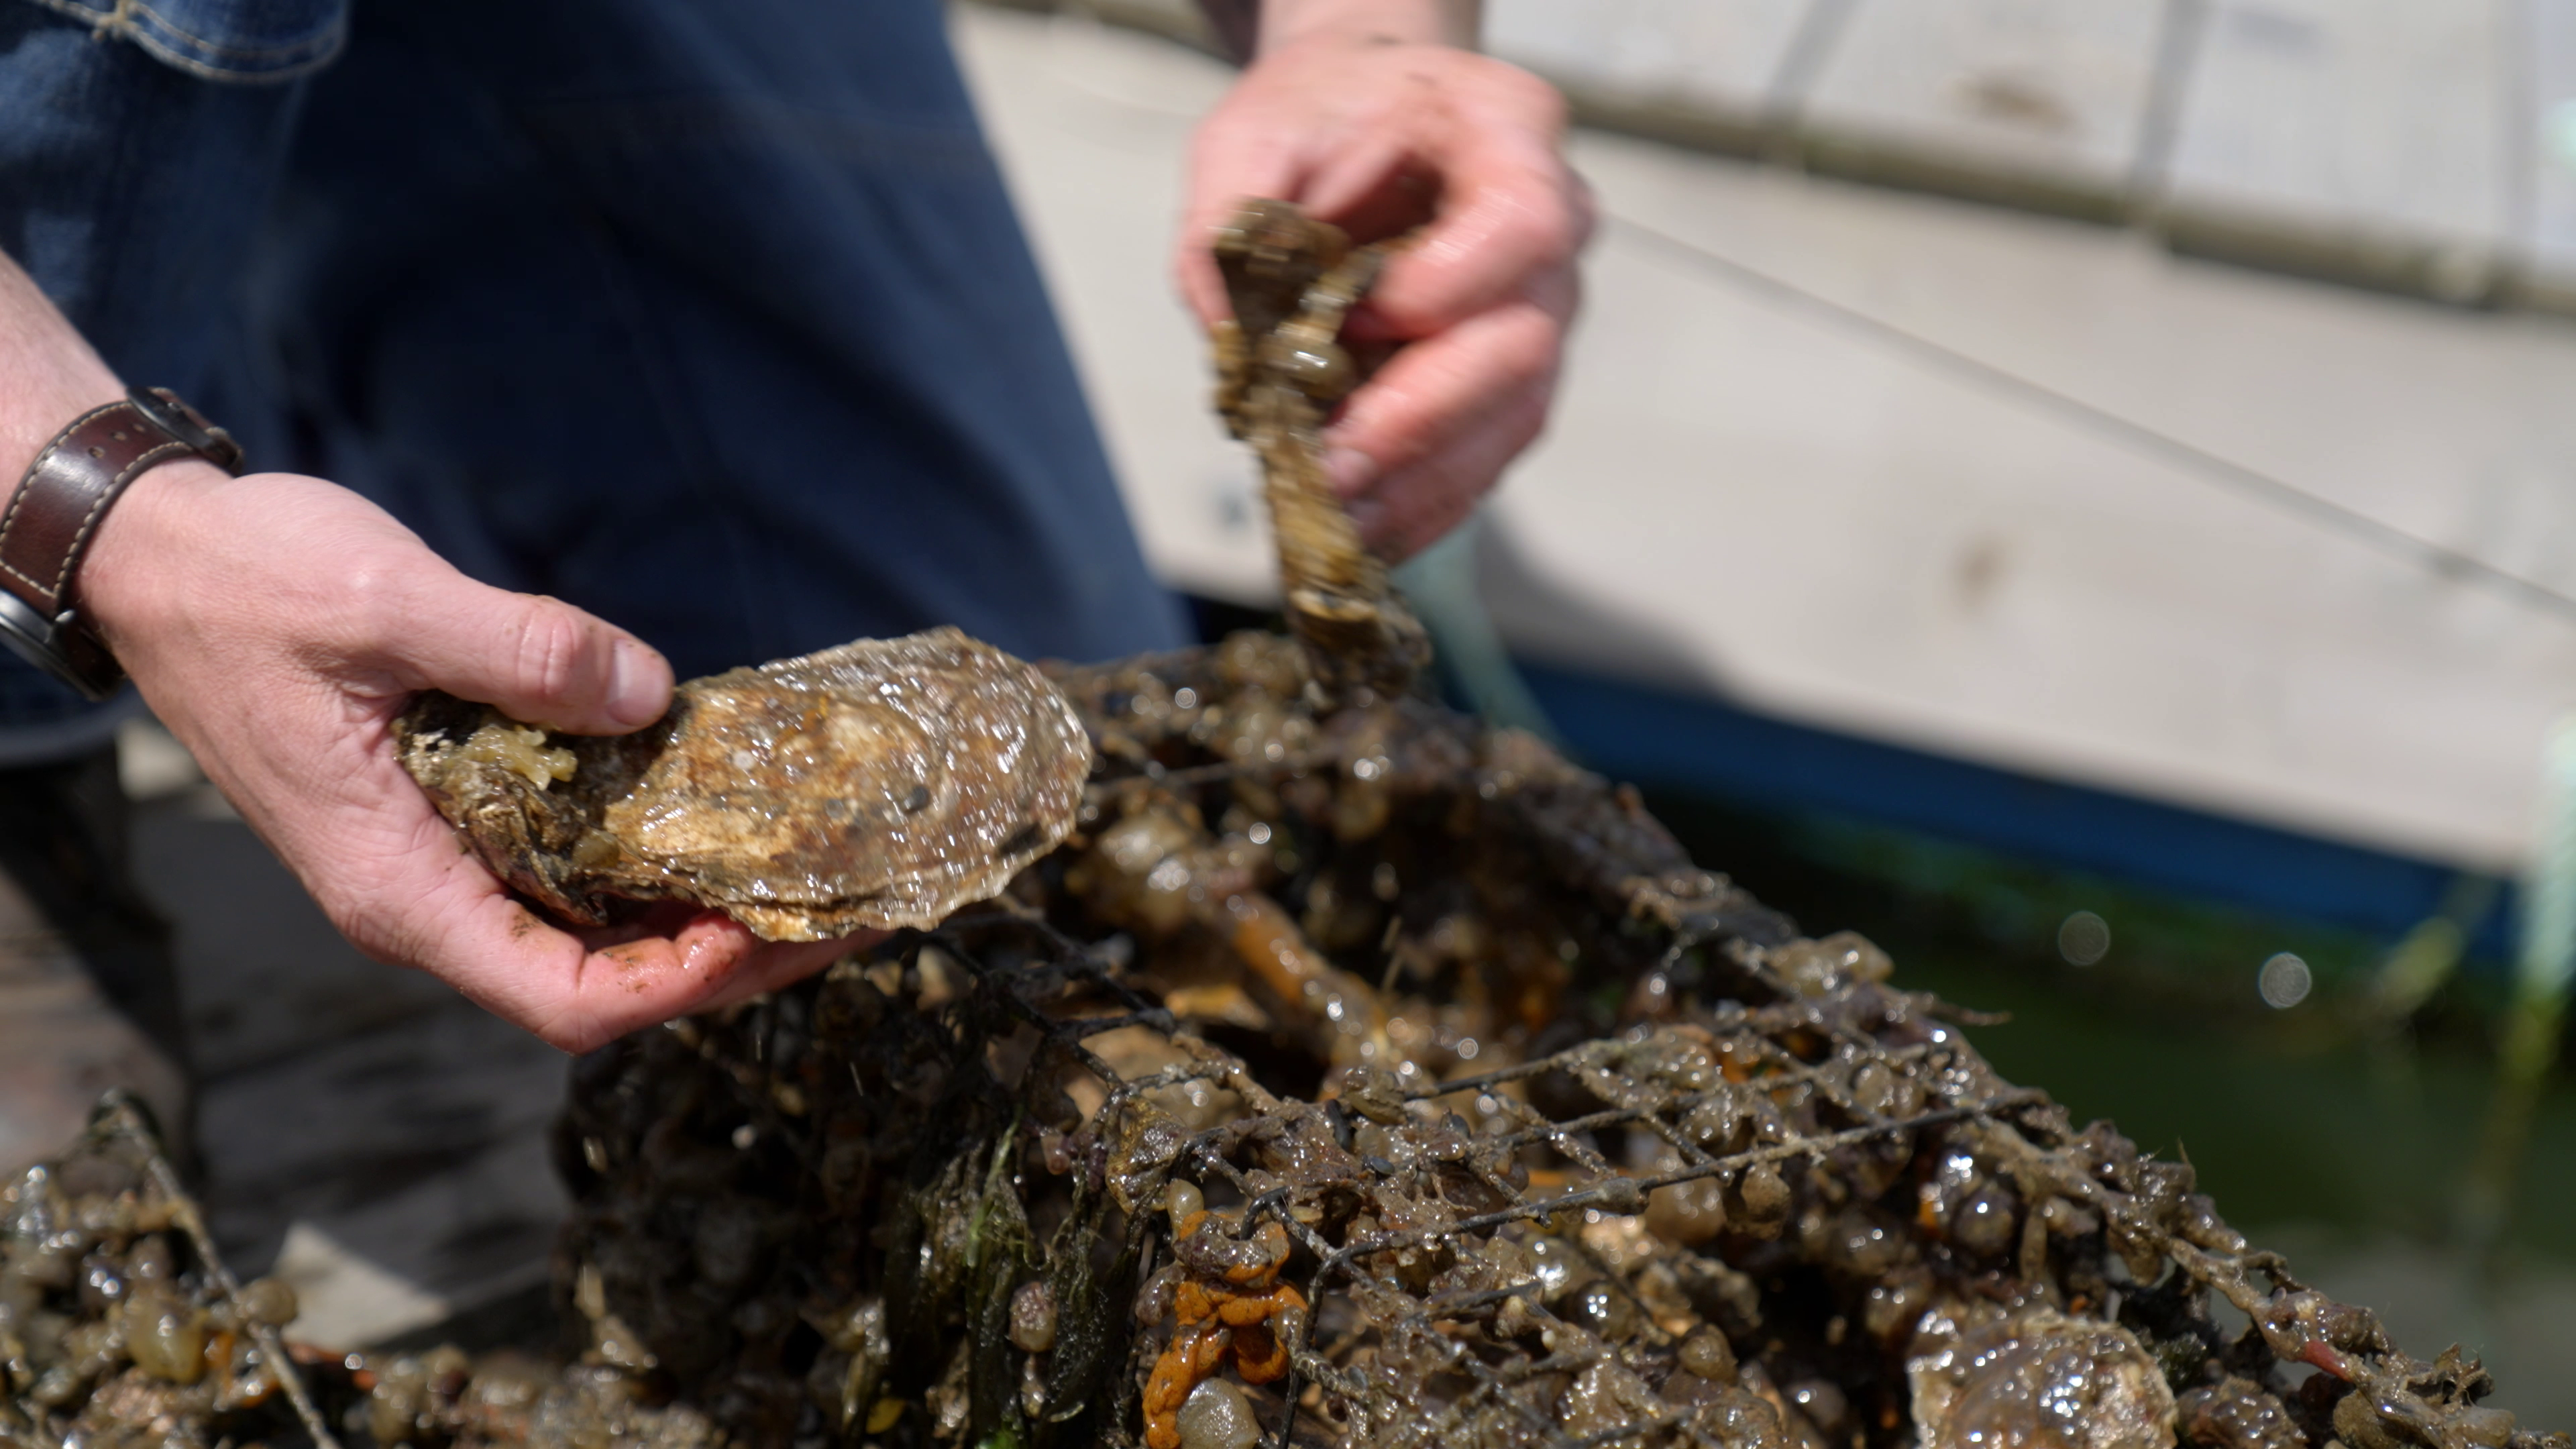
(2318, 1115)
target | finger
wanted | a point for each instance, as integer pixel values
(1410, 510)
(1230, 162)
(1380, 182)
(1426, 395)
(404, 889)
(711, 961)
(1510, 211)
(533, 658)
(773, 965)
(463, 927)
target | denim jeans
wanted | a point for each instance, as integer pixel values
(710, 316)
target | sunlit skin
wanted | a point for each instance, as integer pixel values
(1377, 115)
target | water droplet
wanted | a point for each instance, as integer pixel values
(2284, 981)
(2083, 938)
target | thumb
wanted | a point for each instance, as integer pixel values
(533, 658)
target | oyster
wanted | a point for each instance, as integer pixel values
(2041, 1381)
(880, 784)
(1281, 366)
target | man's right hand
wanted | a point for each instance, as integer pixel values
(277, 624)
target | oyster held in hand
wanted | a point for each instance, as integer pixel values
(879, 784)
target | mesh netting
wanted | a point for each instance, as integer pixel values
(1354, 1076)
(1361, 1077)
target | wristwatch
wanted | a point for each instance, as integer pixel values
(54, 514)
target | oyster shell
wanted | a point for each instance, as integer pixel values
(2041, 1380)
(1281, 366)
(880, 784)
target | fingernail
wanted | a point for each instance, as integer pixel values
(1349, 471)
(639, 684)
(1368, 515)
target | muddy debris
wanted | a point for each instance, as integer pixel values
(1352, 1075)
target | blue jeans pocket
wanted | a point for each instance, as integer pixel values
(246, 41)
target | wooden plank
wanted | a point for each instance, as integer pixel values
(418, 1150)
(2032, 102)
(2548, 152)
(377, 1136)
(2360, 139)
(1743, 495)
(1710, 72)
(262, 974)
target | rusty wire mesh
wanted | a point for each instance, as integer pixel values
(991, 1185)
(1357, 1077)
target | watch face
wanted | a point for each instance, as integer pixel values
(27, 632)
(67, 654)
(20, 622)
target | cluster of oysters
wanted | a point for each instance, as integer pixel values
(1268, 1055)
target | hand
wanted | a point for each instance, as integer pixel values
(1359, 114)
(278, 623)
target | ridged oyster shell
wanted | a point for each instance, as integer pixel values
(883, 783)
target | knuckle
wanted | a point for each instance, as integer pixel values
(547, 649)
(575, 1031)
(1537, 102)
(1393, 434)
(1526, 350)
(363, 601)
(1544, 227)
(1566, 224)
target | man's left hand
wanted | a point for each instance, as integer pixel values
(1368, 115)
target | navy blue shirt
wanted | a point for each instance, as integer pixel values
(713, 319)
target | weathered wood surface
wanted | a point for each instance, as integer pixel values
(1721, 72)
(419, 1150)
(2363, 139)
(263, 985)
(366, 1131)
(2049, 103)
(1740, 497)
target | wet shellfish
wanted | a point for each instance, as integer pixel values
(880, 784)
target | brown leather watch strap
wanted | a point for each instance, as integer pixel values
(51, 519)
(67, 490)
